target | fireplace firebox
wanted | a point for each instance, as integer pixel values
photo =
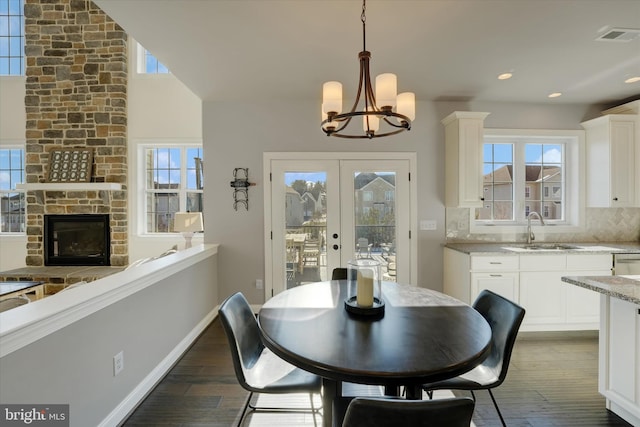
(77, 239)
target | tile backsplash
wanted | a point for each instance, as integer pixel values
(602, 225)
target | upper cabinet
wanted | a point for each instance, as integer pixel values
(611, 160)
(464, 136)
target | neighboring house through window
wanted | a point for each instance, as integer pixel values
(173, 183)
(12, 200)
(11, 38)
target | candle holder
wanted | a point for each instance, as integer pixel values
(364, 295)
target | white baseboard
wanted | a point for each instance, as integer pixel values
(121, 412)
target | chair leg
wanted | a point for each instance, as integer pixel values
(497, 409)
(244, 410)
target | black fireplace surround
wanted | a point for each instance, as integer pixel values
(77, 239)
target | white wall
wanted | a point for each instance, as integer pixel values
(160, 109)
(74, 364)
(13, 249)
(236, 133)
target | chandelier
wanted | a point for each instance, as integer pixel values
(395, 111)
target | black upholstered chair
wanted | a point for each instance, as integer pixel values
(504, 317)
(259, 370)
(367, 412)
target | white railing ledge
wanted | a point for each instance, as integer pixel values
(26, 324)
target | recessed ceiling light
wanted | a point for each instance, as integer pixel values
(505, 76)
(555, 94)
(633, 79)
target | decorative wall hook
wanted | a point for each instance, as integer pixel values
(240, 185)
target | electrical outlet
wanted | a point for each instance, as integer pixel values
(118, 363)
(259, 284)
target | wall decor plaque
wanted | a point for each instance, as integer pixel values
(70, 165)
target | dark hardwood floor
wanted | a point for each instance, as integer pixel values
(552, 381)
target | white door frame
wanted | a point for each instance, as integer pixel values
(266, 168)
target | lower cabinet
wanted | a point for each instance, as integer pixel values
(619, 370)
(534, 282)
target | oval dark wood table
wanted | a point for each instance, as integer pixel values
(424, 336)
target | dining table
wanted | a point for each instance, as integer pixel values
(421, 336)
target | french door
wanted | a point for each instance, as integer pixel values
(322, 212)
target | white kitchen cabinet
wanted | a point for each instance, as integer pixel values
(611, 156)
(502, 283)
(464, 136)
(534, 282)
(619, 370)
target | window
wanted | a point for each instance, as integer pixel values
(536, 171)
(12, 201)
(149, 64)
(389, 195)
(173, 183)
(532, 166)
(11, 38)
(367, 196)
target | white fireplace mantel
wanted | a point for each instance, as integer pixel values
(69, 186)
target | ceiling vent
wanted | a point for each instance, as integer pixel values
(619, 35)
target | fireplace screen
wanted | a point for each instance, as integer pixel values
(76, 240)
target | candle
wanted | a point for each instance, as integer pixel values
(364, 291)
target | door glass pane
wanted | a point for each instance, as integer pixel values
(305, 227)
(375, 219)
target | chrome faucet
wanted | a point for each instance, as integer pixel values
(530, 235)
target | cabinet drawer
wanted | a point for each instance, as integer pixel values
(589, 262)
(494, 263)
(551, 262)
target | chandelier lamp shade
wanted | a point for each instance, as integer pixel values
(384, 107)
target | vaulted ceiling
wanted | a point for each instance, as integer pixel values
(439, 49)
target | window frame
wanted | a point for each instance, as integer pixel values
(17, 146)
(574, 165)
(141, 62)
(141, 173)
(22, 42)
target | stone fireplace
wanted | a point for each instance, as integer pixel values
(76, 97)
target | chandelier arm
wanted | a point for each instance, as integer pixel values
(406, 122)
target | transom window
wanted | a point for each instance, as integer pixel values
(11, 38)
(173, 183)
(148, 63)
(523, 175)
(12, 200)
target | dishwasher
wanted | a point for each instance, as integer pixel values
(626, 264)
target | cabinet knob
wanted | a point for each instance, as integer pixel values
(336, 247)
(482, 198)
(615, 199)
(335, 235)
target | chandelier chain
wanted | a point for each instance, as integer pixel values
(363, 18)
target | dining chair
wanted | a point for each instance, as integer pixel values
(385, 412)
(257, 369)
(504, 317)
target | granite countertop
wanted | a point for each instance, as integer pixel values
(623, 287)
(501, 248)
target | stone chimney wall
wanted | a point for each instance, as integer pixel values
(76, 97)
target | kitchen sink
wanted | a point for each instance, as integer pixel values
(542, 247)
